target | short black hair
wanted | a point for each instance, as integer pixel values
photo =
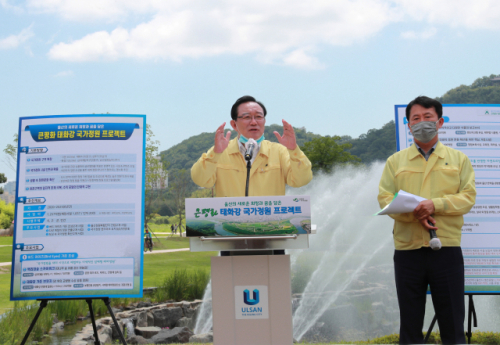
(241, 100)
(427, 103)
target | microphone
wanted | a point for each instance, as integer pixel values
(435, 242)
(250, 145)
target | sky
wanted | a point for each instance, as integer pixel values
(335, 67)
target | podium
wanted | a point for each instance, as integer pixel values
(251, 287)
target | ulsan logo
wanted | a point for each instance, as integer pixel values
(487, 112)
(248, 300)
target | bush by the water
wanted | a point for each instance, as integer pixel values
(15, 323)
(183, 285)
(6, 214)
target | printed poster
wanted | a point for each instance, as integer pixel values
(80, 204)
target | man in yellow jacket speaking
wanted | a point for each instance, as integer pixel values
(444, 176)
(273, 164)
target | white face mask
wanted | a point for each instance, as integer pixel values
(425, 131)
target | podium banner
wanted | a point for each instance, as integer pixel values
(248, 216)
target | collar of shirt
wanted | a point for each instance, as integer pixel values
(428, 154)
(243, 150)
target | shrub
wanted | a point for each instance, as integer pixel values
(6, 214)
(182, 285)
(15, 323)
(160, 220)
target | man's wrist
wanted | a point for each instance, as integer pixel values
(212, 155)
(438, 204)
(295, 150)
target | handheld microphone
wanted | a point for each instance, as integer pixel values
(435, 242)
(250, 145)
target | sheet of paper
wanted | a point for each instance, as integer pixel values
(403, 202)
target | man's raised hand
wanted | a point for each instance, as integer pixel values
(288, 139)
(221, 141)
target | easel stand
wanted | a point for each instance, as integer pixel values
(471, 315)
(107, 302)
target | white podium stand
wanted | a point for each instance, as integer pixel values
(232, 274)
(251, 287)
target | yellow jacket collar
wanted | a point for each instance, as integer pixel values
(439, 151)
(234, 148)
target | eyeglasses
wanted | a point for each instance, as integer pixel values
(248, 118)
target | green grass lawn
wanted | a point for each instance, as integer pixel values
(5, 254)
(158, 266)
(4, 240)
(164, 227)
(173, 242)
(5, 302)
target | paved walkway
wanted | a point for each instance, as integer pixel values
(153, 252)
(167, 251)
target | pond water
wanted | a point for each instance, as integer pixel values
(65, 336)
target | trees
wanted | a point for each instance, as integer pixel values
(11, 151)
(156, 176)
(376, 144)
(481, 91)
(3, 179)
(179, 191)
(203, 193)
(324, 153)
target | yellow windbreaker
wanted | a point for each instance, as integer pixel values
(447, 178)
(274, 167)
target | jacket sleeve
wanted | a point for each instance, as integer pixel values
(204, 170)
(460, 203)
(297, 170)
(387, 190)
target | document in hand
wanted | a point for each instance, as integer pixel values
(403, 202)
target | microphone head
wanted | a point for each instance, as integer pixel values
(435, 243)
(250, 146)
(252, 142)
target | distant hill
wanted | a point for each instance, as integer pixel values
(374, 145)
(482, 91)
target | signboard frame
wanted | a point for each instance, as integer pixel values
(141, 122)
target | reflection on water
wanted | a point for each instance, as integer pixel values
(64, 336)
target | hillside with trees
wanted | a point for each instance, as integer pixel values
(485, 90)
(374, 145)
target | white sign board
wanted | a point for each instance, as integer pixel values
(248, 216)
(474, 130)
(79, 207)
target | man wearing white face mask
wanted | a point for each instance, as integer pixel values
(273, 165)
(444, 176)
